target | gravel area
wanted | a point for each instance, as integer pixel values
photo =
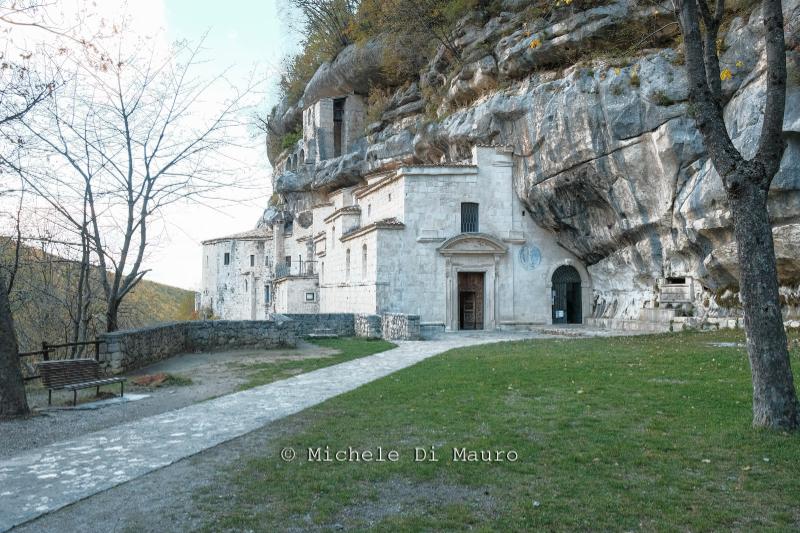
(212, 375)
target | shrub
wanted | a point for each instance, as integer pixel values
(290, 139)
(635, 81)
(661, 98)
(377, 100)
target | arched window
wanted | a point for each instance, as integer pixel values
(364, 261)
(347, 265)
(302, 157)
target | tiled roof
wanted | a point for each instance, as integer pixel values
(386, 223)
(251, 235)
(390, 222)
(343, 210)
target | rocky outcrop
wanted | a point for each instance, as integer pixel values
(607, 153)
(354, 70)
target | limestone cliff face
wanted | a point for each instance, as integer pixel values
(607, 153)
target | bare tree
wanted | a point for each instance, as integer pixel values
(130, 134)
(13, 401)
(747, 184)
(16, 100)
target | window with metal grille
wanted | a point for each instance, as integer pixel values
(469, 217)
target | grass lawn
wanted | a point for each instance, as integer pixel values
(633, 433)
(348, 348)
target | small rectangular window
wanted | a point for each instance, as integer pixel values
(310, 297)
(266, 294)
(288, 260)
(252, 260)
(227, 258)
(338, 127)
(469, 217)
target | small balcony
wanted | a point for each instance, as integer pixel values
(298, 269)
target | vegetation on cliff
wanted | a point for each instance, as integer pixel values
(44, 294)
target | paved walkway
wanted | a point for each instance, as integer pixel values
(48, 478)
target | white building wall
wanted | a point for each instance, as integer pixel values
(356, 292)
(412, 273)
(387, 201)
(291, 295)
(406, 270)
(235, 291)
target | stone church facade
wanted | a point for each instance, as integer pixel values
(450, 243)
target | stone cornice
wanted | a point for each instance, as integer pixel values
(459, 245)
(348, 209)
(389, 223)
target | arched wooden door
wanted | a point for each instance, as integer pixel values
(566, 296)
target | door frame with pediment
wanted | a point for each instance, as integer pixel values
(472, 252)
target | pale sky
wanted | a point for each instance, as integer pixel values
(243, 38)
(243, 34)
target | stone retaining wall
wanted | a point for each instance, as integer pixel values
(342, 324)
(397, 326)
(122, 351)
(368, 326)
(130, 349)
(215, 335)
(126, 350)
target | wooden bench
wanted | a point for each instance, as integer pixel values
(74, 374)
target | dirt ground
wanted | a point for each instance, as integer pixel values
(212, 375)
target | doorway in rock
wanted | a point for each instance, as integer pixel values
(470, 300)
(566, 296)
(338, 122)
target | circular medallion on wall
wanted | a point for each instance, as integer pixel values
(530, 256)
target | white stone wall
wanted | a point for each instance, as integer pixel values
(290, 295)
(388, 201)
(411, 275)
(235, 291)
(413, 267)
(354, 114)
(318, 142)
(357, 292)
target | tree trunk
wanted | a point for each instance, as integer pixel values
(774, 396)
(112, 316)
(13, 401)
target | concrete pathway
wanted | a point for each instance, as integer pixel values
(48, 478)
